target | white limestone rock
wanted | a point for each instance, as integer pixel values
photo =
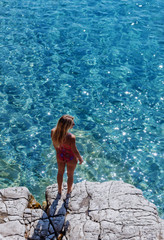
(17, 221)
(116, 210)
(13, 203)
(103, 211)
(12, 228)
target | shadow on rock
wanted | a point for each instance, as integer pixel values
(51, 224)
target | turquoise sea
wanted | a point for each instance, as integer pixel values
(100, 61)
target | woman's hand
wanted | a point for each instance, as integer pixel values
(74, 149)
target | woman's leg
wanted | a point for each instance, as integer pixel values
(71, 165)
(61, 169)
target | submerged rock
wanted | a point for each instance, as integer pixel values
(103, 211)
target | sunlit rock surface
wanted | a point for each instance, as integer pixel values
(103, 211)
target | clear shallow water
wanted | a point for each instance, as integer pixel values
(100, 61)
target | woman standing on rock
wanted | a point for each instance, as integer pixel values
(66, 150)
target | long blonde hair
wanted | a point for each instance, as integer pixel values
(63, 125)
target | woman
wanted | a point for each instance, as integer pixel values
(66, 151)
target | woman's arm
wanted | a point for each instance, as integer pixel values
(52, 131)
(75, 150)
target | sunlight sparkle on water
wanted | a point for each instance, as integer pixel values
(103, 66)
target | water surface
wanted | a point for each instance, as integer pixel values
(100, 61)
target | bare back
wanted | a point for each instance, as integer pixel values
(69, 141)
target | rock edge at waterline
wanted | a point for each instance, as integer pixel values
(111, 210)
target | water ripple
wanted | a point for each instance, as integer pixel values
(98, 61)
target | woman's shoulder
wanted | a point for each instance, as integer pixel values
(71, 137)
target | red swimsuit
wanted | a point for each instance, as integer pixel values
(65, 153)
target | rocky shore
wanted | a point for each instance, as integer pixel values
(95, 211)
